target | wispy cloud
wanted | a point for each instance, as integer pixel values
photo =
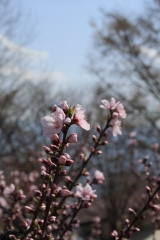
(29, 72)
(31, 75)
(23, 51)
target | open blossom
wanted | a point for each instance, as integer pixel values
(9, 190)
(86, 193)
(113, 105)
(53, 125)
(109, 105)
(116, 127)
(79, 117)
(99, 177)
(121, 111)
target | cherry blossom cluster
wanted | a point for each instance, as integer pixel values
(116, 109)
(49, 208)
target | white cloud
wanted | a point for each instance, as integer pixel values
(30, 71)
(23, 51)
(31, 75)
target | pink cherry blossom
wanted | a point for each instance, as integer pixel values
(99, 176)
(79, 117)
(121, 111)
(53, 125)
(9, 190)
(109, 105)
(86, 193)
(115, 127)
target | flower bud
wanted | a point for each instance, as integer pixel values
(98, 128)
(47, 149)
(68, 179)
(52, 219)
(62, 173)
(115, 115)
(94, 138)
(64, 105)
(130, 210)
(148, 190)
(54, 107)
(114, 234)
(72, 138)
(104, 143)
(25, 225)
(67, 121)
(86, 204)
(135, 229)
(37, 193)
(54, 147)
(29, 209)
(55, 139)
(127, 221)
(43, 207)
(82, 157)
(64, 193)
(98, 152)
(69, 162)
(39, 232)
(12, 237)
(62, 160)
(91, 149)
(47, 236)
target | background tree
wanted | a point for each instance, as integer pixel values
(125, 63)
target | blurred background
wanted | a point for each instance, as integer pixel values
(83, 52)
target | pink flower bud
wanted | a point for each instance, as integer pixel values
(67, 121)
(114, 234)
(94, 138)
(62, 159)
(25, 224)
(46, 149)
(62, 172)
(91, 149)
(148, 190)
(54, 107)
(104, 143)
(85, 173)
(43, 207)
(12, 237)
(72, 138)
(127, 221)
(69, 162)
(98, 128)
(29, 209)
(87, 205)
(68, 179)
(135, 229)
(82, 157)
(115, 115)
(98, 152)
(52, 219)
(64, 105)
(39, 232)
(55, 139)
(54, 147)
(64, 193)
(155, 207)
(130, 210)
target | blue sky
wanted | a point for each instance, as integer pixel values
(64, 32)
